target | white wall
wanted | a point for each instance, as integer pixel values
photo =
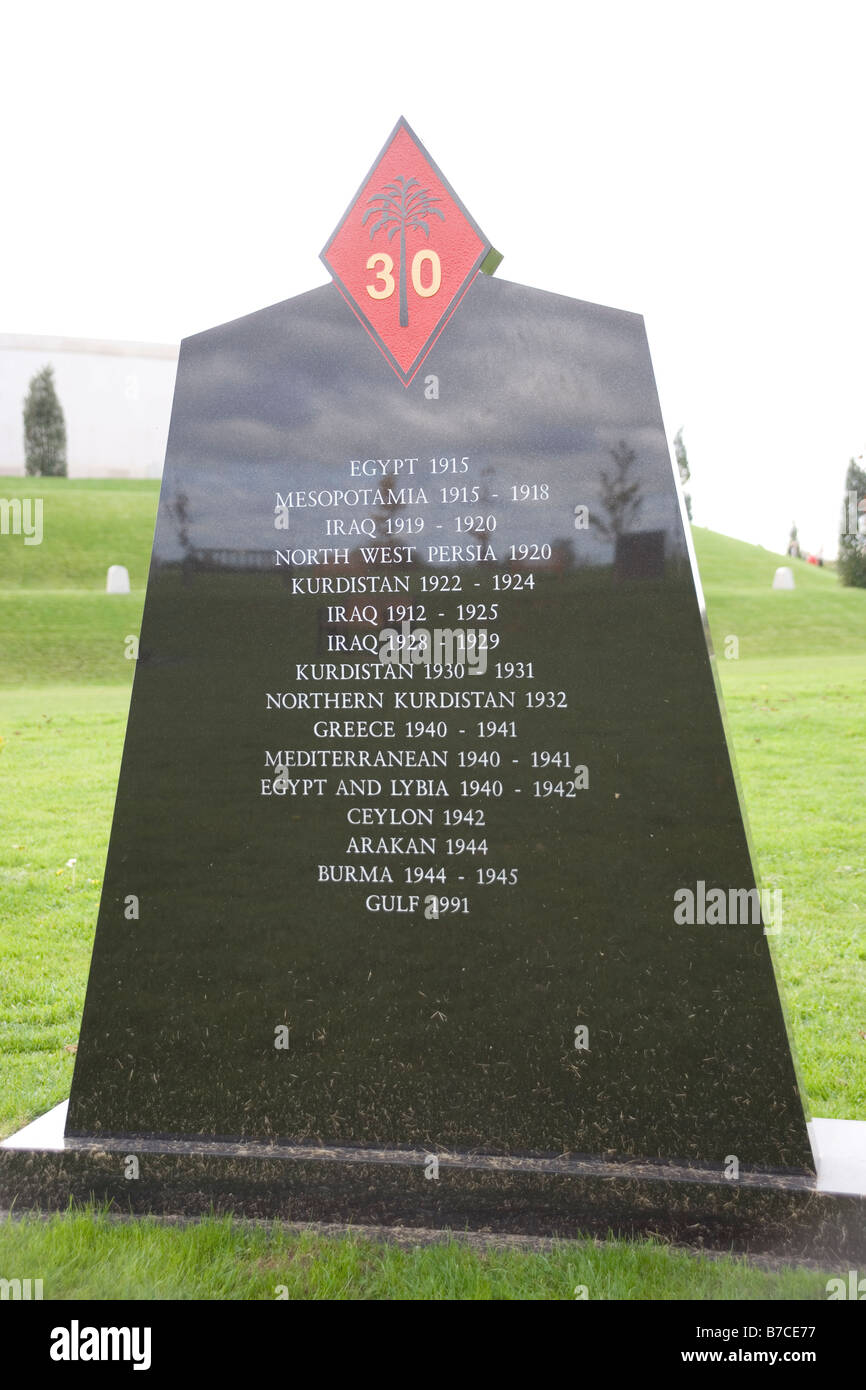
(116, 399)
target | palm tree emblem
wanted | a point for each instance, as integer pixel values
(408, 206)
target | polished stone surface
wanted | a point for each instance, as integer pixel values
(839, 1147)
(405, 1033)
(782, 1216)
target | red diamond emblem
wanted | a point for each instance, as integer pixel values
(405, 252)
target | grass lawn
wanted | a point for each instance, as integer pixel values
(61, 753)
(87, 524)
(86, 1256)
(801, 753)
(794, 699)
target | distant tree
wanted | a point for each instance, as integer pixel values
(480, 532)
(683, 465)
(620, 498)
(389, 508)
(44, 428)
(562, 554)
(385, 518)
(794, 542)
(178, 510)
(852, 533)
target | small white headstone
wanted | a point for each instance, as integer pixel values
(783, 578)
(118, 580)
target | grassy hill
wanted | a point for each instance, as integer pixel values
(57, 625)
(794, 697)
(817, 618)
(88, 524)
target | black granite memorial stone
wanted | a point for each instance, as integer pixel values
(403, 865)
(427, 841)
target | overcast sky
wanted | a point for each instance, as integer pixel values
(171, 166)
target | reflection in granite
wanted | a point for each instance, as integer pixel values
(456, 1034)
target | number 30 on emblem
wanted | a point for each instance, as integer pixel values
(383, 265)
